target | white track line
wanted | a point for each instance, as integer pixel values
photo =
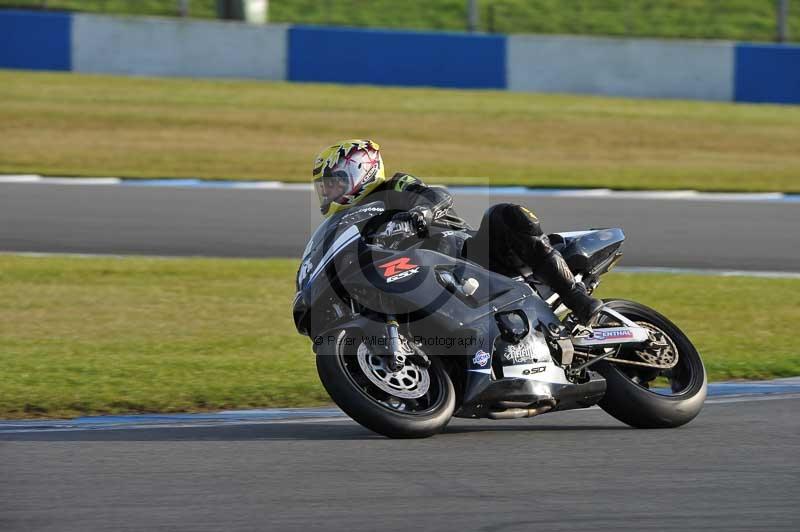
(711, 272)
(45, 254)
(692, 195)
(60, 180)
(187, 424)
(749, 398)
(20, 178)
(81, 180)
(620, 269)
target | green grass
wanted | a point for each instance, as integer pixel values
(131, 335)
(752, 20)
(69, 124)
(103, 335)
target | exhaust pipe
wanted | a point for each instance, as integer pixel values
(517, 413)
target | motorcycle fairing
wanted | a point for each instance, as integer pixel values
(589, 251)
(539, 381)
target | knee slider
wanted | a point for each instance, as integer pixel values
(521, 219)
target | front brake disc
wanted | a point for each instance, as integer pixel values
(410, 382)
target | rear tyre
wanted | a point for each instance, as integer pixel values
(418, 404)
(631, 393)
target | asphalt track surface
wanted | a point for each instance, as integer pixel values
(735, 467)
(677, 233)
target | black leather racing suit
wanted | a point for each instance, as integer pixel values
(509, 240)
(404, 192)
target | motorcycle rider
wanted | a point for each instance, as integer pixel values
(509, 240)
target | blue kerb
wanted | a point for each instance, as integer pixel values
(721, 389)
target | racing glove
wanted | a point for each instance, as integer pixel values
(419, 218)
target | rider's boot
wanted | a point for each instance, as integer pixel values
(553, 270)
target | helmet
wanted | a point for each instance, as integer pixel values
(346, 172)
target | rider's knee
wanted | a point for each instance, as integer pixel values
(520, 219)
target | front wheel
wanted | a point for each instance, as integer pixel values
(414, 402)
(647, 397)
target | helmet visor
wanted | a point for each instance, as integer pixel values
(331, 187)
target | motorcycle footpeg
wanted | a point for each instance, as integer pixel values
(560, 340)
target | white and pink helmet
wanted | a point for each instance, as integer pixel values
(346, 172)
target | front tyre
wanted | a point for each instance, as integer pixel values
(412, 403)
(653, 398)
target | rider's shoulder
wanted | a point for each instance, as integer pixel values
(401, 181)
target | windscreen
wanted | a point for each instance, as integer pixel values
(332, 236)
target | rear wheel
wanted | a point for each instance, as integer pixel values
(413, 402)
(669, 395)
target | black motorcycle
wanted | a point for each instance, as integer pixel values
(408, 333)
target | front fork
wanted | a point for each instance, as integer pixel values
(396, 358)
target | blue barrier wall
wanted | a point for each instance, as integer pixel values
(767, 73)
(375, 57)
(705, 70)
(35, 41)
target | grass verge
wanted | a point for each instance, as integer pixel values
(104, 335)
(70, 124)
